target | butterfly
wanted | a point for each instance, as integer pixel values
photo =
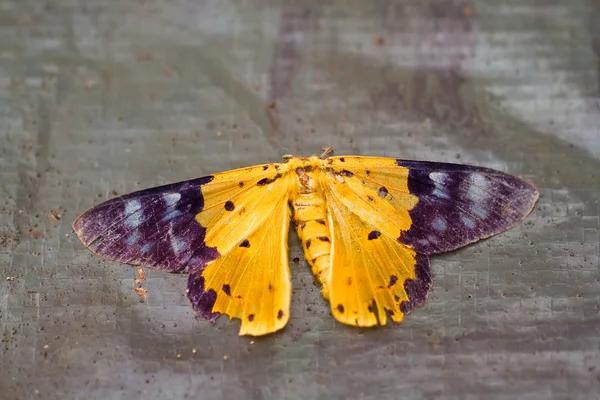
(367, 226)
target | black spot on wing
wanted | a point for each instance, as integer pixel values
(279, 314)
(346, 173)
(382, 192)
(266, 181)
(374, 235)
(227, 289)
(324, 239)
(229, 206)
(308, 243)
(245, 243)
(251, 317)
(340, 308)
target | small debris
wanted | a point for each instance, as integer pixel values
(10, 278)
(36, 234)
(141, 291)
(225, 357)
(144, 56)
(141, 276)
(55, 215)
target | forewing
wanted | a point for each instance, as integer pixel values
(185, 226)
(432, 207)
(384, 212)
(156, 227)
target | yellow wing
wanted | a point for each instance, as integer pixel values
(369, 267)
(247, 216)
(386, 216)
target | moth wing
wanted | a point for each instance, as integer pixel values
(186, 226)
(252, 280)
(413, 207)
(434, 207)
(155, 227)
(372, 275)
(461, 204)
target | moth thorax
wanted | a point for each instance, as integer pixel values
(305, 180)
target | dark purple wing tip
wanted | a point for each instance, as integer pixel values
(417, 289)
(202, 301)
(155, 227)
(460, 204)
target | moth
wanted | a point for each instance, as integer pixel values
(367, 226)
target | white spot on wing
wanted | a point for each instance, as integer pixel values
(477, 187)
(134, 213)
(177, 244)
(469, 222)
(171, 214)
(439, 224)
(479, 211)
(171, 198)
(439, 191)
(439, 178)
(133, 238)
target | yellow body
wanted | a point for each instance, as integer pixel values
(349, 213)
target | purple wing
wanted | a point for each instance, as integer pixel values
(460, 204)
(417, 289)
(202, 300)
(154, 227)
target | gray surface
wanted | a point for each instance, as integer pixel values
(97, 96)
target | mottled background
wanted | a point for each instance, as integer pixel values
(102, 97)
